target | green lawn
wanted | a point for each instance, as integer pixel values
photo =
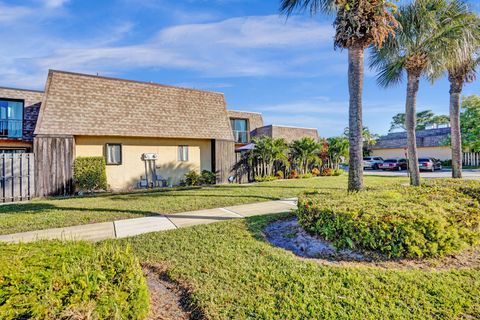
(237, 275)
(51, 213)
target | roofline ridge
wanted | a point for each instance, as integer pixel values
(132, 81)
(20, 89)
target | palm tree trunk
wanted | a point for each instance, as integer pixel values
(411, 124)
(355, 85)
(456, 135)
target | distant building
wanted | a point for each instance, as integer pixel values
(288, 133)
(430, 143)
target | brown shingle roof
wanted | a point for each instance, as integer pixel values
(78, 104)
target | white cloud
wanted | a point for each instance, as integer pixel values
(55, 3)
(246, 46)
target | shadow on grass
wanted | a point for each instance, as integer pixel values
(40, 208)
(257, 224)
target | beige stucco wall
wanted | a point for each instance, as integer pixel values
(441, 153)
(127, 175)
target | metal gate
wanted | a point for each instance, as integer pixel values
(17, 177)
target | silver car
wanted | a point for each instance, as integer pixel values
(372, 162)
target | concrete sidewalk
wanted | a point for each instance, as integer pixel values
(132, 227)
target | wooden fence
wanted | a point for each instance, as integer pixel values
(471, 159)
(17, 177)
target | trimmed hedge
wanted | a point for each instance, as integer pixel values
(439, 218)
(71, 280)
(90, 173)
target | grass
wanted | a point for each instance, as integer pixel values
(70, 280)
(236, 274)
(53, 213)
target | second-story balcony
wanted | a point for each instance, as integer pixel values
(240, 136)
(11, 128)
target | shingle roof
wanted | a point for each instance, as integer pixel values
(78, 104)
(288, 133)
(425, 138)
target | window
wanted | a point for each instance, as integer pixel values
(240, 130)
(113, 153)
(182, 153)
(11, 118)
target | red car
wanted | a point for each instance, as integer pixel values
(394, 164)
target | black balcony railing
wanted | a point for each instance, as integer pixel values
(11, 128)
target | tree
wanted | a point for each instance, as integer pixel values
(424, 119)
(305, 152)
(469, 120)
(421, 40)
(358, 25)
(337, 150)
(460, 64)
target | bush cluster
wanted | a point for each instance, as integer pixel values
(438, 218)
(90, 173)
(193, 178)
(265, 178)
(71, 280)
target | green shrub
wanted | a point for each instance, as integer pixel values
(192, 178)
(438, 218)
(90, 173)
(71, 280)
(208, 178)
(280, 175)
(306, 176)
(266, 178)
(337, 172)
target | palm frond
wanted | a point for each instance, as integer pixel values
(288, 7)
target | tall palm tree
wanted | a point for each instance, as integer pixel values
(422, 38)
(358, 24)
(460, 64)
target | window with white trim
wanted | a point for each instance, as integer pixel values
(182, 153)
(113, 153)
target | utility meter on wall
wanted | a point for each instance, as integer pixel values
(149, 156)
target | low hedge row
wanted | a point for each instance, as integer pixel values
(441, 217)
(90, 173)
(70, 280)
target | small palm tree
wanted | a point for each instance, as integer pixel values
(460, 64)
(337, 149)
(305, 152)
(422, 39)
(358, 24)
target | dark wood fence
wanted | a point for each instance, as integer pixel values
(17, 177)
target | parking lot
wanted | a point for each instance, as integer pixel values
(445, 173)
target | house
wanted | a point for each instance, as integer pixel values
(18, 116)
(430, 143)
(125, 121)
(288, 133)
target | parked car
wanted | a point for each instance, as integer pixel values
(372, 162)
(429, 164)
(394, 164)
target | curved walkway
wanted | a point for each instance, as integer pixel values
(162, 222)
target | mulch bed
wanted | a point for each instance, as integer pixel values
(289, 235)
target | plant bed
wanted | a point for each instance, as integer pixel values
(442, 217)
(71, 280)
(289, 235)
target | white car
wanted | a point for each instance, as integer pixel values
(372, 162)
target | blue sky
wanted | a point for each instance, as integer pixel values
(287, 70)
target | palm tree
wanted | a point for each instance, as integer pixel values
(280, 150)
(305, 153)
(421, 40)
(460, 64)
(337, 149)
(358, 24)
